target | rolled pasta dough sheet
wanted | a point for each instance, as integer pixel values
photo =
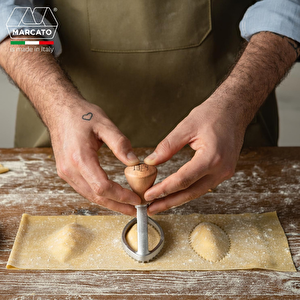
(94, 243)
(3, 169)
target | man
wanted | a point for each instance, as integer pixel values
(148, 65)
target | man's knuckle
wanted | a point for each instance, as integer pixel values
(58, 171)
(218, 160)
(100, 200)
(122, 140)
(165, 146)
(123, 199)
(63, 171)
(75, 158)
(228, 173)
(101, 188)
(192, 195)
(121, 144)
(165, 206)
(183, 183)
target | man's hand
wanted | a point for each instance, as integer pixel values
(76, 136)
(216, 128)
(217, 140)
(77, 128)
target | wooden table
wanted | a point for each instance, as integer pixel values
(267, 179)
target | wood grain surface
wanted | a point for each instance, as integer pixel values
(266, 179)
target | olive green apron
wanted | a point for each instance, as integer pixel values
(148, 63)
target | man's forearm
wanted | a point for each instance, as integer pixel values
(263, 64)
(40, 77)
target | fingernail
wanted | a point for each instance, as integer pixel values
(154, 197)
(132, 157)
(150, 198)
(150, 157)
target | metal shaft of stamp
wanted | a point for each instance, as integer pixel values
(142, 229)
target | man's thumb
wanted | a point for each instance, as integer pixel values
(121, 147)
(167, 147)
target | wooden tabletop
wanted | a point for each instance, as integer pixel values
(266, 179)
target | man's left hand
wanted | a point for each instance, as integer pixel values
(217, 139)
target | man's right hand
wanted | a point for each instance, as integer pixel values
(76, 137)
(75, 141)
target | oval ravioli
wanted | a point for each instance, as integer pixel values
(210, 241)
(69, 242)
(153, 237)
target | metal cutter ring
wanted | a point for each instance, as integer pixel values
(151, 254)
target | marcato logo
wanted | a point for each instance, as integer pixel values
(39, 22)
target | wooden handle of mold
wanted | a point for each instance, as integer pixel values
(140, 178)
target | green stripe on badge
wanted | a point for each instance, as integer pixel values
(17, 42)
